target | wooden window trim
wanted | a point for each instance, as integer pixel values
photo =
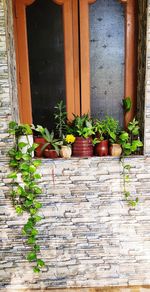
(70, 49)
(130, 80)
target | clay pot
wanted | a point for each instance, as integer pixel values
(82, 147)
(65, 151)
(101, 149)
(50, 153)
(41, 141)
(115, 150)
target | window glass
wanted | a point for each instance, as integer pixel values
(107, 58)
(46, 59)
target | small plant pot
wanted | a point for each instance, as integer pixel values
(50, 153)
(28, 139)
(101, 149)
(115, 150)
(41, 141)
(82, 147)
(65, 151)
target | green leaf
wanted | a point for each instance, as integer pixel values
(30, 197)
(36, 270)
(22, 145)
(28, 203)
(26, 157)
(31, 240)
(36, 247)
(37, 218)
(32, 168)
(18, 155)
(37, 190)
(12, 175)
(24, 166)
(127, 194)
(37, 176)
(13, 163)
(19, 209)
(33, 211)
(34, 232)
(37, 205)
(127, 104)
(36, 162)
(31, 256)
(40, 263)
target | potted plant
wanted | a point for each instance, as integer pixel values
(101, 139)
(39, 139)
(82, 128)
(113, 132)
(60, 117)
(51, 147)
(23, 134)
(66, 149)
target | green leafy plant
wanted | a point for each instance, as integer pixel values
(60, 117)
(107, 128)
(130, 143)
(49, 137)
(127, 104)
(81, 126)
(25, 192)
(19, 129)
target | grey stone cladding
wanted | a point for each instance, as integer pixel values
(89, 236)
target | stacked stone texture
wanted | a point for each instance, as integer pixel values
(89, 236)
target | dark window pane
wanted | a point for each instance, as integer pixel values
(46, 59)
(107, 58)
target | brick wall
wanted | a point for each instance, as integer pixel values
(88, 235)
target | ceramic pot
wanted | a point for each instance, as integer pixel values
(115, 150)
(82, 147)
(41, 141)
(28, 139)
(50, 153)
(101, 149)
(65, 151)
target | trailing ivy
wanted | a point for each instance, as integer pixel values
(25, 191)
(130, 144)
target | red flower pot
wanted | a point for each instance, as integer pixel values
(82, 147)
(101, 149)
(41, 141)
(50, 153)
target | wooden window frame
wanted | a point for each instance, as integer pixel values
(71, 51)
(130, 79)
(70, 24)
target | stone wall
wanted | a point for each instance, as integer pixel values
(88, 235)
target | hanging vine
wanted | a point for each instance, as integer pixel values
(25, 189)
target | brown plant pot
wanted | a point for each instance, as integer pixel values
(115, 150)
(82, 147)
(101, 149)
(50, 153)
(41, 141)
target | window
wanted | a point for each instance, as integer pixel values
(62, 53)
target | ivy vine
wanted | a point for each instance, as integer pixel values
(25, 191)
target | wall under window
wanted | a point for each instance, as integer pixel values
(89, 237)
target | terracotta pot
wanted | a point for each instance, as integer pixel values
(82, 147)
(50, 153)
(101, 149)
(65, 151)
(41, 141)
(115, 150)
